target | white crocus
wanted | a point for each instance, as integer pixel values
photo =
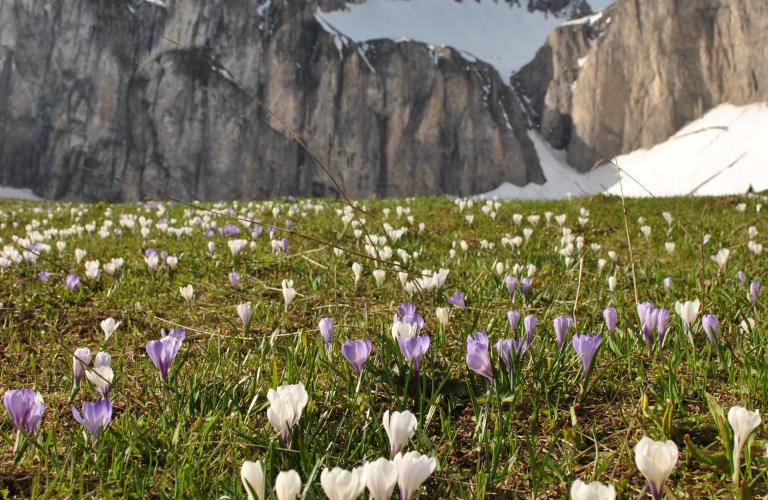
(152, 262)
(109, 268)
(102, 359)
(101, 377)
(172, 261)
(743, 422)
(79, 254)
(600, 265)
(405, 330)
(592, 491)
(413, 469)
(646, 230)
(670, 247)
(187, 292)
(340, 484)
(212, 250)
(357, 268)
(289, 293)
(92, 269)
(380, 478)
(403, 276)
(109, 326)
(612, 282)
(286, 405)
(379, 276)
(442, 316)
(613, 256)
(656, 460)
(288, 485)
(81, 358)
(687, 312)
(252, 476)
(400, 428)
(721, 258)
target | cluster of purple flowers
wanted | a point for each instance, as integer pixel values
(229, 231)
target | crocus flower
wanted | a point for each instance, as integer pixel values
(592, 491)
(405, 309)
(711, 325)
(687, 312)
(72, 282)
(43, 276)
(562, 325)
(162, 352)
(380, 478)
(284, 245)
(96, 417)
(179, 334)
(233, 279)
(400, 428)
(286, 405)
(101, 376)
(457, 300)
(477, 355)
(289, 293)
(413, 350)
(340, 484)
(586, 347)
(742, 277)
(108, 326)
(187, 292)
(656, 460)
(25, 408)
(612, 282)
(288, 485)
(442, 316)
(661, 320)
(252, 476)
(514, 318)
(529, 322)
(413, 469)
(379, 275)
(511, 347)
(743, 423)
(244, 313)
(164, 257)
(754, 289)
(667, 283)
(357, 353)
(326, 330)
(288, 223)
(81, 358)
(511, 285)
(611, 318)
(526, 285)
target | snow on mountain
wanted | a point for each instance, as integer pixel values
(724, 152)
(502, 35)
(20, 194)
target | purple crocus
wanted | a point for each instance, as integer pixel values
(357, 352)
(164, 256)
(118, 231)
(611, 318)
(150, 252)
(96, 417)
(514, 318)
(754, 289)
(208, 234)
(244, 313)
(711, 325)
(256, 232)
(526, 285)
(284, 245)
(529, 322)
(562, 325)
(26, 408)
(586, 346)
(72, 282)
(645, 319)
(668, 283)
(405, 309)
(413, 349)
(742, 277)
(179, 334)
(457, 300)
(477, 355)
(511, 285)
(162, 352)
(233, 279)
(511, 347)
(43, 276)
(288, 224)
(661, 320)
(326, 330)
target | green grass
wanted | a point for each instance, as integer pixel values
(188, 439)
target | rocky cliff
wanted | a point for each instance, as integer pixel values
(94, 83)
(633, 76)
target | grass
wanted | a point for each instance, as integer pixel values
(189, 437)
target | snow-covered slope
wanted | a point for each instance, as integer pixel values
(724, 152)
(506, 37)
(21, 194)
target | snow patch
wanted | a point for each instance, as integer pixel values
(591, 20)
(159, 3)
(19, 194)
(261, 9)
(338, 39)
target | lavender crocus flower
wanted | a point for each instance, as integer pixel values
(457, 300)
(526, 285)
(514, 318)
(711, 325)
(233, 279)
(611, 318)
(586, 346)
(150, 252)
(326, 330)
(179, 334)
(645, 320)
(26, 408)
(118, 231)
(162, 352)
(357, 353)
(43, 276)
(661, 320)
(477, 355)
(72, 282)
(562, 325)
(511, 285)
(256, 232)
(742, 277)
(288, 224)
(284, 245)
(511, 347)
(668, 283)
(244, 313)
(405, 309)
(96, 417)
(208, 234)
(164, 256)
(413, 349)
(223, 232)
(529, 322)
(754, 289)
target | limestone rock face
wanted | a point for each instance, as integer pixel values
(95, 83)
(633, 77)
